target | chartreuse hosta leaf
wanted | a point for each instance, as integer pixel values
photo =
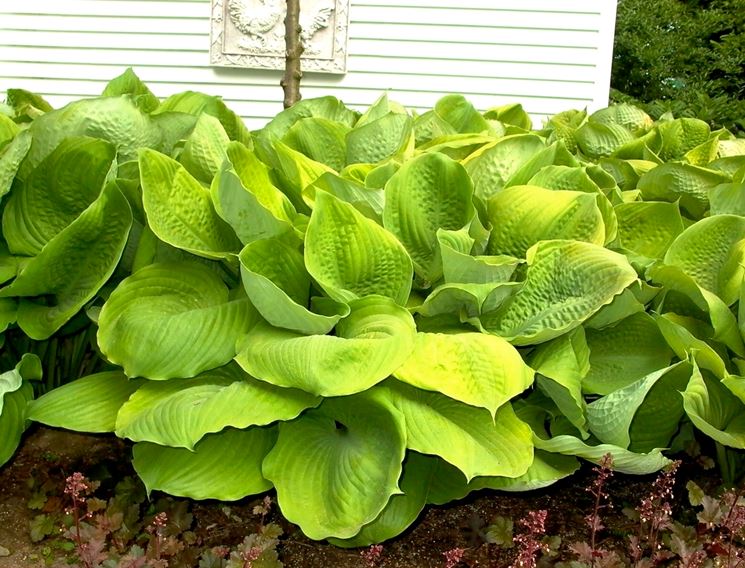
(390, 135)
(179, 209)
(63, 185)
(320, 139)
(513, 114)
(686, 345)
(224, 466)
(204, 150)
(195, 103)
(72, 266)
(428, 193)
(461, 114)
(88, 404)
(278, 285)
(681, 135)
(726, 198)
(561, 364)
(368, 201)
(351, 256)
(651, 407)
(566, 283)
(15, 395)
(714, 410)
(574, 178)
(470, 439)
(117, 120)
(368, 345)
(712, 251)
(450, 484)
(624, 353)
(467, 301)
(523, 215)
(458, 266)
(681, 182)
(181, 412)
(336, 467)
(647, 228)
(478, 369)
(183, 308)
(295, 172)
(245, 197)
(128, 83)
(624, 460)
(8, 129)
(11, 157)
(492, 165)
(598, 140)
(402, 509)
(555, 154)
(680, 286)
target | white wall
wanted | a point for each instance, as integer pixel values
(549, 55)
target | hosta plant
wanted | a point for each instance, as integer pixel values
(373, 312)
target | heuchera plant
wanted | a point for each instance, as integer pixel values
(372, 312)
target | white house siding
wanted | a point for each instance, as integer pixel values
(549, 55)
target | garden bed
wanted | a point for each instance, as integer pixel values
(33, 484)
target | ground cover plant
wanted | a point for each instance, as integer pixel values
(370, 312)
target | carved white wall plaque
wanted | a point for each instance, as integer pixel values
(250, 33)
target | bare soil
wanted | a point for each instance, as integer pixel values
(48, 456)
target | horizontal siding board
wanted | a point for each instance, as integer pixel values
(108, 63)
(419, 49)
(390, 31)
(549, 55)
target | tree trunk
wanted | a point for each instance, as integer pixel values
(294, 49)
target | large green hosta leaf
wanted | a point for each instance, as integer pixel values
(351, 256)
(598, 140)
(647, 228)
(712, 252)
(566, 282)
(295, 171)
(245, 197)
(204, 150)
(63, 185)
(450, 484)
(714, 410)
(728, 198)
(11, 157)
(128, 83)
(195, 103)
(688, 184)
(369, 344)
(624, 353)
(336, 467)
(72, 266)
(403, 508)
(182, 308)
(491, 166)
(382, 138)
(459, 267)
(15, 395)
(651, 407)
(478, 369)
(181, 412)
(179, 209)
(561, 364)
(470, 439)
(461, 114)
(624, 460)
(278, 285)
(687, 298)
(429, 193)
(224, 466)
(88, 404)
(320, 139)
(523, 215)
(115, 119)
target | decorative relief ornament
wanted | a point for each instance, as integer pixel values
(250, 33)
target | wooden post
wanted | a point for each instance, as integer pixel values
(294, 49)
